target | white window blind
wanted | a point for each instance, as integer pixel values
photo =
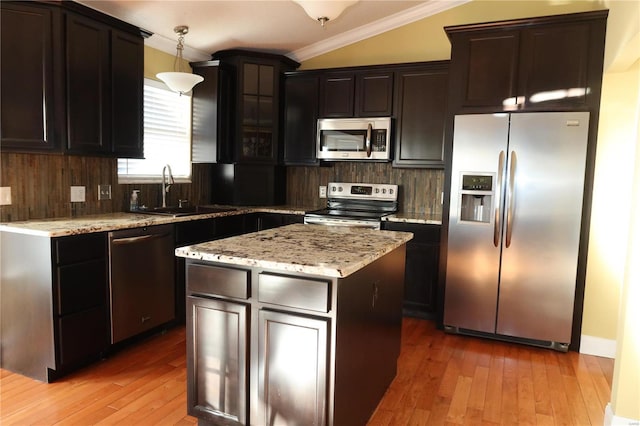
(167, 137)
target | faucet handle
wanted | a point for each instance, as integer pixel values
(183, 203)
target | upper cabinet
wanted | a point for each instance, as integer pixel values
(301, 92)
(31, 118)
(212, 106)
(414, 95)
(545, 63)
(420, 111)
(362, 93)
(85, 94)
(256, 111)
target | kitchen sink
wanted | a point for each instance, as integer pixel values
(176, 211)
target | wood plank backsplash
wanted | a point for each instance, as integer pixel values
(419, 189)
(40, 185)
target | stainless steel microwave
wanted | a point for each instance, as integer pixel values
(366, 139)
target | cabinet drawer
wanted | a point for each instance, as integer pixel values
(82, 335)
(80, 248)
(81, 286)
(213, 280)
(294, 292)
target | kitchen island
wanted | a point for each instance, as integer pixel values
(294, 325)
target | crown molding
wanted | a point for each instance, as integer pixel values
(380, 26)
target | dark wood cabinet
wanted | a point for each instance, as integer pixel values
(54, 303)
(421, 268)
(32, 119)
(127, 98)
(362, 93)
(80, 299)
(86, 67)
(421, 110)
(292, 374)
(256, 102)
(211, 118)
(544, 63)
(301, 98)
(275, 220)
(87, 83)
(218, 342)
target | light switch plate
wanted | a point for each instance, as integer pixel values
(104, 192)
(77, 194)
(5, 196)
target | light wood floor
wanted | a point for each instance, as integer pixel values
(442, 379)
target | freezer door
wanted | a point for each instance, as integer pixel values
(545, 171)
(473, 260)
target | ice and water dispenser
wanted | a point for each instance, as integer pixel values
(476, 197)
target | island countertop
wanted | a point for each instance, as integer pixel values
(312, 249)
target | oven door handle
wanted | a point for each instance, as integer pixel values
(368, 140)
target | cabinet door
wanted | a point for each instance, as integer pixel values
(485, 67)
(217, 354)
(259, 116)
(374, 94)
(421, 268)
(292, 369)
(554, 66)
(30, 118)
(301, 94)
(127, 68)
(337, 95)
(421, 105)
(212, 111)
(87, 61)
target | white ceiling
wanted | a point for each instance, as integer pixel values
(274, 26)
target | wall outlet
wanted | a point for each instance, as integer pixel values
(77, 194)
(104, 192)
(323, 192)
(5, 196)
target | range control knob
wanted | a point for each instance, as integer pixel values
(391, 191)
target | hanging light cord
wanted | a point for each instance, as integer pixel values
(178, 62)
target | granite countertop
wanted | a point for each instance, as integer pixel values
(419, 218)
(60, 227)
(313, 249)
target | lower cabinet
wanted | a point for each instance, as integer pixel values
(292, 372)
(53, 303)
(218, 338)
(421, 268)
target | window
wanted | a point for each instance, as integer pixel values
(167, 137)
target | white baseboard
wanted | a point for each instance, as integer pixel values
(591, 345)
(611, 419)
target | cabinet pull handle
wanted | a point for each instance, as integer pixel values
(368, 141)
(132, 240)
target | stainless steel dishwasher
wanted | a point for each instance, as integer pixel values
(141, 279)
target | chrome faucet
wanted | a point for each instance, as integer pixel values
(167, 181)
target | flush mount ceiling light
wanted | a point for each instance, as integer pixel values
(324, 10)
(180, 81)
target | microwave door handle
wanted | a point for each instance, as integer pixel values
(368, 141)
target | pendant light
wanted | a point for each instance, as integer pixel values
(180, 81)
(324, 11)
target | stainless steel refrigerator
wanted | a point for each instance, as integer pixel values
(517, 188)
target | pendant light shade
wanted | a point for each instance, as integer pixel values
(325, 10)
(178, 80)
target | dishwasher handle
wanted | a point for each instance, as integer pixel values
(133, 240)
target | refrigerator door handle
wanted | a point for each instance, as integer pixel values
(510, 208)
(496, 221)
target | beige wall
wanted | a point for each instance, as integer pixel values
(156, 61)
